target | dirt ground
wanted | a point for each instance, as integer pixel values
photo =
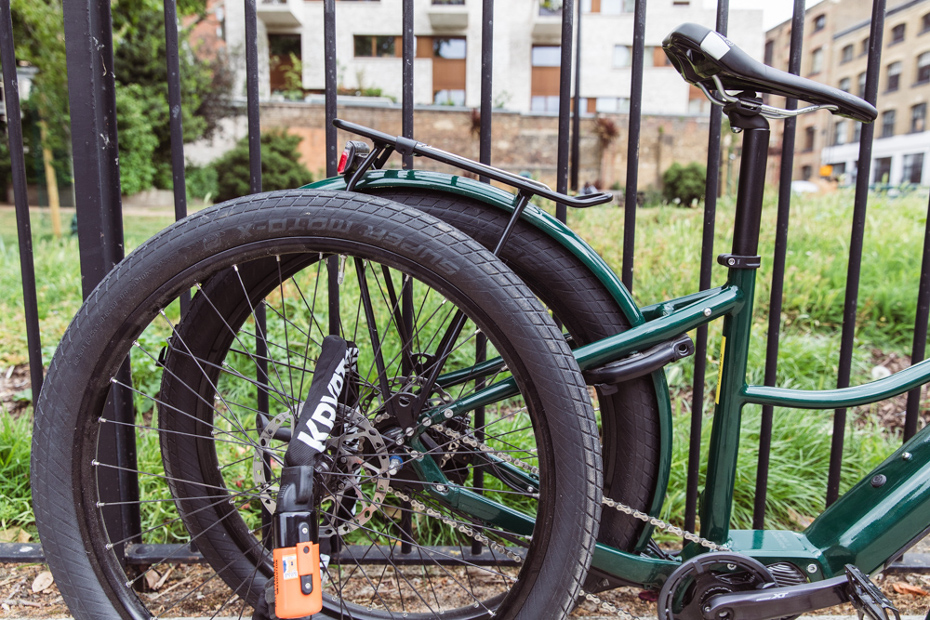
(910, 593)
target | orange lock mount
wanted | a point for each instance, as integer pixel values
(297, 584)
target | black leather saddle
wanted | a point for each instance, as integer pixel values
(700, 54)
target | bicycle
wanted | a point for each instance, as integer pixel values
(412, 446)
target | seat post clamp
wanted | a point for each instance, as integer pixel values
(734, 261)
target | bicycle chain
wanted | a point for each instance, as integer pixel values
(610, 503)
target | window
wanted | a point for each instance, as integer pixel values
(806, 172)
(820, 22)
(844, 84)
(865, 47)
(817, 60)
(550, 7)
(449, 48)
(919, 118)
(894, 76)
(454, 96)
(925, 23)
(847, 54)
(543, 103)
(809, 134)
(544, 84)
(887, 124)
(897, 34)
(769, 52)
(882, 170)
(913, 168)
(449, 56)
(283, 60)
(370, 46)
(923, 68)
(612, 104)
(857, 132)
(840, 132)
(862, 84)
(622, 56)
(839, 170)
(616, 7)
(547, 56)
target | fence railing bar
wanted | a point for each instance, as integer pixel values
(175, 120)
(576, 110)
(850, 303)
(329, 46)
(251, 93)
(21, 198)
(565, 89)
(487, 76)
(918, 350)
(255, 186)
(95, 156)
(407, 77)
(778, 269)
(174, 108)
(633, 136)
(329, 66)
(707, 263)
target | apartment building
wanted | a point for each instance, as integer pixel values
(835, 51)
(447, 64)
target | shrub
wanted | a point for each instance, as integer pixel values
(684, 184)
(202, 181)
(281, 168)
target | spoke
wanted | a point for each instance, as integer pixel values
(259, 327)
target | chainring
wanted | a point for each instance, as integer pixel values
(696, 581)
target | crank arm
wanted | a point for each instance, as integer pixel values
(768, 603)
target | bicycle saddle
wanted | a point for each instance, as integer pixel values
(700, 54)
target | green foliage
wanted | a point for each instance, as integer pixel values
(15, 492)
(137, 140)
(281, 168)
(800, 458)
(139, 64)
(202, 182)
(684, 184)
(141, 85)
(40, 42)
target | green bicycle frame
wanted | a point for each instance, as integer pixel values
(869, 526)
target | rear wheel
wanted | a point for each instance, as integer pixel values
(405, 529)
(583, 306)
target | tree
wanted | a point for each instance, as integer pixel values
(141, 82)
(281, 168)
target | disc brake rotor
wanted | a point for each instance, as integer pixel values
(357, 481)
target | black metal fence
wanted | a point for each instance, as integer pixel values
(88, 34)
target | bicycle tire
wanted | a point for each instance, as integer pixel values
(305, 226)
(580, 302)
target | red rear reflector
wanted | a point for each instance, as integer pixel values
(343, 160)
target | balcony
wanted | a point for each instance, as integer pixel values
(448, 15)
(281, 13)
(547, 22)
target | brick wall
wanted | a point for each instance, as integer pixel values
(520, 142)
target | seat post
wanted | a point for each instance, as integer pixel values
(755, 129)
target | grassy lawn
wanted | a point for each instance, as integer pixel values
(666, 265)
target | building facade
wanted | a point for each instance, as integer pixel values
(447, 65)
(835, 51)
